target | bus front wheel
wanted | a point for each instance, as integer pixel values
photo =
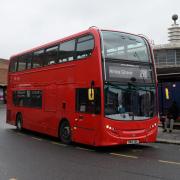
(65, 132)
(19, 122)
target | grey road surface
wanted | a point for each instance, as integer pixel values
(32, 156)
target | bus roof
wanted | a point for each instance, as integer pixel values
(91, 29)
(54, 42)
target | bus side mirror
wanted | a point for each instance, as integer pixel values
(91, 92)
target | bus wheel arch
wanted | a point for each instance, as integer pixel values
(19, 121)
(64, 131)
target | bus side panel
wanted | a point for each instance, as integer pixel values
(65, 104)
(51, 102)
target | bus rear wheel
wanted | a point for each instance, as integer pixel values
(65, 132)
(19, 122)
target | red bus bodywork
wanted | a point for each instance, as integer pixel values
(58, 83)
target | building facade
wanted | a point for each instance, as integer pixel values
(3, 79)
(167, 59)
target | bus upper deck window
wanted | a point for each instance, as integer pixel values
(13, 65)
(67, 51)
(85, 46)
(38, 59)
(51, 55)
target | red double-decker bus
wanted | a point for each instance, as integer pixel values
(97, 87)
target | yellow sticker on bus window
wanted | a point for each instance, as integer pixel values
(91, 94)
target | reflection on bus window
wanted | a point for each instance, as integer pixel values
(38, 59)
(85, 46)
(67, 51)
(129, 102)
(124, 46)
(84, 105)
(28, 98)
(51, 55)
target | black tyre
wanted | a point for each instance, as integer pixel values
(65, 132)
(19, 122)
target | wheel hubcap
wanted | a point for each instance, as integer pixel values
(66, 132)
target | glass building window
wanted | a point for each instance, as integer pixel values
(167, 57)
(178, 56)
(171, 57)
(162, 57)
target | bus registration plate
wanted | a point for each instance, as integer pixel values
(133, 141)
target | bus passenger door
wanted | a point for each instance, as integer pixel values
(87, 116)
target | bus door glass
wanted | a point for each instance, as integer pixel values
(87, 114)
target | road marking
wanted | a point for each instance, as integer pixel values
(59, 144)
(36, 138)
(84, 149)
(13, 178)
(124, 155)
(169, 162)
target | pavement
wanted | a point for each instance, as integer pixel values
(170, 138)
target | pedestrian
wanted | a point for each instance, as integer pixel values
(172, 115)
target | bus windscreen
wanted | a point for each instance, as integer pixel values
(122, 46)
(129, 101)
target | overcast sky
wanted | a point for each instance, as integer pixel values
(28, 23)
